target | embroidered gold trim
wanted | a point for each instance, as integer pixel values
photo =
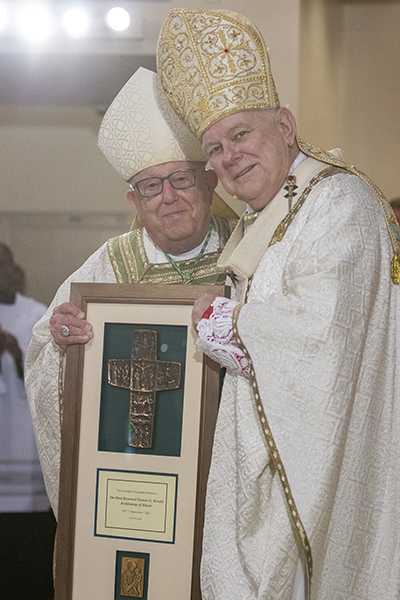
(164, 273)
(113, 261)
(296, 522)
(248, 220)
(395, 269)
(130, 263)
(391, 223)
(128, 255)
(287, 221)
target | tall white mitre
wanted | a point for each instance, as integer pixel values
(140, 129)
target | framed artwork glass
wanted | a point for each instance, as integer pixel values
(140, 406)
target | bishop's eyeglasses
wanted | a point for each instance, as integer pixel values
(180, 180)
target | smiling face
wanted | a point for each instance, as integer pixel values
(252, 152)
(176, 220)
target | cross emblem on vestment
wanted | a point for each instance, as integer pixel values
(290, 188)
(144, 376)
(228, 49)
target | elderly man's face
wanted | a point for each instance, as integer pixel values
(176, 220)
(252, 152)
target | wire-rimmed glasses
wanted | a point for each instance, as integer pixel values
(179, 180)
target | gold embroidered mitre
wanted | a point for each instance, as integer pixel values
(212, 64)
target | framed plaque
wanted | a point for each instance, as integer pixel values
(140, 405)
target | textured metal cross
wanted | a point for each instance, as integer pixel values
(144, 376)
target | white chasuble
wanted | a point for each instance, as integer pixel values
(321, 325)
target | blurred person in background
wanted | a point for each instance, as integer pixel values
(395, 204)
(27, 525)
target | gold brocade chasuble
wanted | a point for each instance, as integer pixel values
(131, 265)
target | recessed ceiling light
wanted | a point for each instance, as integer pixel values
(4, 18)
(75, 22)
(118, 19)
(35, 22)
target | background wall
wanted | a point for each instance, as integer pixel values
(350, 83)
(336, 65)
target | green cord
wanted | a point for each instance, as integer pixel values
(188, 280)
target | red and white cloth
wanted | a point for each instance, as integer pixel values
(216, 337)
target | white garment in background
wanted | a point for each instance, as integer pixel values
(21, 481)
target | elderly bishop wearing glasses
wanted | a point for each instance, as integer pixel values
(303, 497)
(177, 240)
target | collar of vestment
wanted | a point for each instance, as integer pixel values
(243, 252)
(130, 262)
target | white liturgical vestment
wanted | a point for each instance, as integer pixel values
(311, 442)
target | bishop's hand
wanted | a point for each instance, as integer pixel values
(70, 319)
(200, 306)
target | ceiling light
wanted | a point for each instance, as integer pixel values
(4, 19)
(75, 22)
(35, 22)
(118, 19)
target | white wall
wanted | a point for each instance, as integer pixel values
(56, 168)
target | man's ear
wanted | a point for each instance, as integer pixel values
(131, 197)
(287, 123)
(211, 181)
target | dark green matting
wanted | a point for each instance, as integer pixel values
(115, 431)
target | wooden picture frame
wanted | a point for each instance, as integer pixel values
(131, 518)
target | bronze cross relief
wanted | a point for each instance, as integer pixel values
(144, 376)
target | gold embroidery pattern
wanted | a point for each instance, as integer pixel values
(212, 64)
(128, 255)
(296, 522)
(248, 220)
(164, 273)
(131, 265)
(287, 221)
(113, 261)
(395, 268)
(391, 222)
